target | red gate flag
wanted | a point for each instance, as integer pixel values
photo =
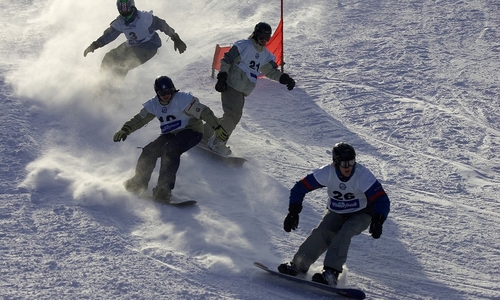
(275, 46)
(219, 53)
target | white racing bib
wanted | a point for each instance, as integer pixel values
(172, 116)
(251, 60)
(136, 32)
(349, 196)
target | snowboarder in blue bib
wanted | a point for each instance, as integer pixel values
(180, 115)
(142, 42)
(356, 201)
(240, 67)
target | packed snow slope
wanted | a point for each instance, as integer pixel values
(413, 85)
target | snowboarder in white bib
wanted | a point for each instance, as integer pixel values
(240, 67)
(142, 42)
(356, 201)
(180, 115)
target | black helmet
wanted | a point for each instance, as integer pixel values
(262, 29)
(126, 8)
(164, 85)
(343, 152)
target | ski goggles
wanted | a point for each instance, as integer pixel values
(347, 163)
(166, 92)
(264, 37)
(126, 12)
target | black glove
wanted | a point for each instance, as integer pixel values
(292, 219)
(376, 225)
(179, 45)
(221, 84)
(90, 48)
(288, 81)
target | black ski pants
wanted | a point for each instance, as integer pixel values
(169, 147)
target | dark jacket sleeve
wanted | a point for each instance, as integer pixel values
(108, 36)
(302, 187)
(378, 199)
(139, 120)
(161, 25)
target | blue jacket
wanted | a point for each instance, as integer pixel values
(378, 201)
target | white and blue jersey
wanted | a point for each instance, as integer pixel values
(138, 31)
(349, 196)
(251, 59)
(172, 117)
(360, 192)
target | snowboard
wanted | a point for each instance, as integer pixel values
(346, 292)
(231, 160)
(173, 202)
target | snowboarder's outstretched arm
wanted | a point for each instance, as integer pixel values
(161, 25)
(107, 37)
(137, 121)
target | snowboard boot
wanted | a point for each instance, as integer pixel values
(290, 269)
(216, 145)
(329, 276)
(162, 194)
(135, 187)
